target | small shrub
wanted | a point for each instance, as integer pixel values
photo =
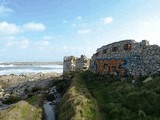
(36, 89)
(11, 100)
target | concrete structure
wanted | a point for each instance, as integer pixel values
(127, 57)
(72, 63)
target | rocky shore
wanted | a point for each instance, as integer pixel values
(41, 90)
(23, 85)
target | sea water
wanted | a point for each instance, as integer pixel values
(24, 69)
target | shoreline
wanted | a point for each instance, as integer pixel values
(31, 63)
(13, 79)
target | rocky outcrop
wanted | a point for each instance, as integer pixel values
(13, 80)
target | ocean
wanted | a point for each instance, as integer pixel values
(7, 69)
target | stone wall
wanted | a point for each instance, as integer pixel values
(69, 63)
(72, 63)
(127, 57)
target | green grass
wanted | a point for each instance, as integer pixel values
(35, 100)
(21, 111)
(77, 103)
(121, 100)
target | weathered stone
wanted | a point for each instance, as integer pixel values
(147, 79)
(72, 63)
(140, 57)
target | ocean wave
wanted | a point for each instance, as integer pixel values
(51, 66)
(12, 69)
(3, 66)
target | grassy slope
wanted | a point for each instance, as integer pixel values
(23, 110)
(121, 100)
(77, 103)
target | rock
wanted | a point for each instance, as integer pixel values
(147, 79)
(1, 93)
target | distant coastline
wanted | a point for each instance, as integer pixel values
(31, 63)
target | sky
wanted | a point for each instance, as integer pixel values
(48, 30)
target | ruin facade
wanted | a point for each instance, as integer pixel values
(123, 58)
(72, 63)
(126, 58)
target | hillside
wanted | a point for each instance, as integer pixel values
(117, 98)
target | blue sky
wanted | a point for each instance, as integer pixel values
(48, 30)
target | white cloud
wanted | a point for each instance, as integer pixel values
(45, 43)
(8, 28)
(74, 25)
(78, 17)
(107, 20)
(5, 10)
(34, 26)
(11, 28)
(149, 30)
(65, 21)
(84, 31)
(22, 43)
(47, 38)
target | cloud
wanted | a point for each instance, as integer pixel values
(107, 20)
(84, 31)
(73, 25)
(149, 30)
(8, 28)
(5, 10)
(22, 43)
(47, 38)
(78, 17)
(34, 26)
(11, 28)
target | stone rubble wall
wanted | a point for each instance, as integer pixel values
(136, 58)
(72, 63)
(124, 58)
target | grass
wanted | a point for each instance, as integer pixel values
(24, 110)
(77, 103)
(35, 100)
(21, 111)
(122, 100)
(12, 99)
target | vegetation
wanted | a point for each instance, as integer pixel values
(77, 103)
(38, 88)
(11, 99)
(125, 100)
(36, 100)
(24, 110)
(21, 111)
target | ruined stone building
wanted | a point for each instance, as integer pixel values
(72, 63)
(123, 58)
(126, 57)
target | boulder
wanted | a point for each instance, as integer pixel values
(147, 79)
